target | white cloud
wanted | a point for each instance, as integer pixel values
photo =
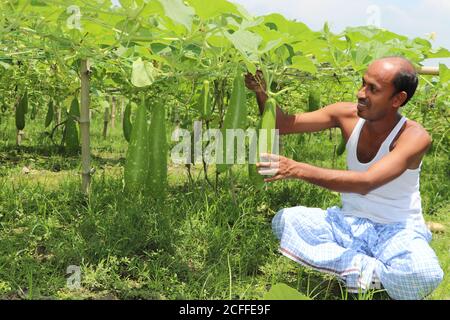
(422, 19)
(442, 5)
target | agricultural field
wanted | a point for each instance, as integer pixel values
(92, 203)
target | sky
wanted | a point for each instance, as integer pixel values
(413, 18)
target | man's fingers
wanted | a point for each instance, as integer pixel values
(267, 168)
(263, 164)
(259, 74)
(270, 157)
(268, 171)
(249, 78)
(251, 83)
(272, 165)
(254, 82)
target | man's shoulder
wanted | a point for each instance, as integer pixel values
(414, 131)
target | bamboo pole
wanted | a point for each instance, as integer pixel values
(420, 70)
(113, 112)
(84, 128)
(122, 107)
(429, 71)
(105, 122)
(19, 137)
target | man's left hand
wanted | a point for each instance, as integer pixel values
(276, 166)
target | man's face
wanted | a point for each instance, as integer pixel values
(375, 97)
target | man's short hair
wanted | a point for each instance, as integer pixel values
(406, 79)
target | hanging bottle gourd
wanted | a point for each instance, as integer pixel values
(341, 147)
(71, 139)
(21, 110)
(50, 113)
(266, 140)
(136, 165)
(204, 102)
(158, 148)
(235, 118)
(126, 125)
(313, 99)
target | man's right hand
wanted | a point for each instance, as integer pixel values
(256, 82)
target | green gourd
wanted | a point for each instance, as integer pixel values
(21, 110)
(158, 148)
(256, 179)
(136, 164)
(268, 123)
(204, 102)
(126, 125)
(50, 114)
(235, 118)
(341, 147)
(267, 126)
(71, 140)
(313, 100)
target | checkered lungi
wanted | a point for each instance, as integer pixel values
(357, 249)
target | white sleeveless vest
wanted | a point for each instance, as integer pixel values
(396, 201)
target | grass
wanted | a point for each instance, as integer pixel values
(198, 244)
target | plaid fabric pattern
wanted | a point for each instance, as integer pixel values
(358, 250)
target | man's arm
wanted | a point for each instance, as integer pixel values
(411, 146)
(325, 118)
(322, 119)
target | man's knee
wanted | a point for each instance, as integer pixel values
(297, 217)
(428, 280)
(279, 221)
(416, 283)
(290, 215)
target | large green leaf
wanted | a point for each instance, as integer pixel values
(304, 64)
(439, 53)
(210, 9)
(243, 12)
(132, 30)
(272, 39)
(99, 32)
(283, 25)
(216, 40)
(272, 45)
(246, 42)
(360, 55)
(143, 73)
(368, 33)
(378, 49)
(422, 43)
(178, 12)
(251, 23)
(317, 47)
(385, 35)
(268, 34)
(139, 8)
(281, 291)
(444, 73)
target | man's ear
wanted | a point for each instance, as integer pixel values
(399, 99)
